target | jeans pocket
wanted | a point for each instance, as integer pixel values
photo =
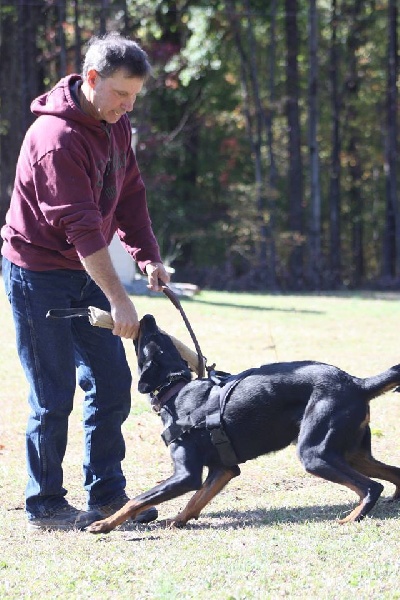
(6, 273)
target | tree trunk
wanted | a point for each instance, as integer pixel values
(295, 174)
(354, 164)
(335, 243)
(254, 116)
(391, 242)
(315, 259)
(62, 17)
(272, 187)
(264, 233)
(103, 16)
(78, 38)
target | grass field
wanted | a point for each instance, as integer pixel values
(273, 532)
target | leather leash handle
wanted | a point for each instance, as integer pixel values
(175, 301)
(96, 316)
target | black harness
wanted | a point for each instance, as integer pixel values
(213, 422)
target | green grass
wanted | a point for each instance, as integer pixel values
(273, 532)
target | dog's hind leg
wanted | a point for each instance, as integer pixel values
(216, 480)
(338, 471)
(365, 463)
(330, 465)
(328, 437)
(371, 467)
(368, 499)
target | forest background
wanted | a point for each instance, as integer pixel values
(267, 136)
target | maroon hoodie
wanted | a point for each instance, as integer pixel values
(77, 183)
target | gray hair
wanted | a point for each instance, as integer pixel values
(111, 52)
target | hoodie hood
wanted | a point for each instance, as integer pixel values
(59, 102)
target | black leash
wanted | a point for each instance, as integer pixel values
(175, 301)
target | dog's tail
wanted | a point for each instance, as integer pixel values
(384, 382)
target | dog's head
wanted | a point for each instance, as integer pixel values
(159, 362)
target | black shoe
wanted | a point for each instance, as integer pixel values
(146, 516)
(65, 518)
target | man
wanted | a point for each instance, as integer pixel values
(77, 183)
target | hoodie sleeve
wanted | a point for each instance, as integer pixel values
(65, 197)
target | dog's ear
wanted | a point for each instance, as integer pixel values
(150, 374)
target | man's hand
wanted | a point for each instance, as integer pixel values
(126, 321)
(156, 272)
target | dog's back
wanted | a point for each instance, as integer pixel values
(266, 409)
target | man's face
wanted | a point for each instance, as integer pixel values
(111, 97)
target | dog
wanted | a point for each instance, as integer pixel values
(319, 406)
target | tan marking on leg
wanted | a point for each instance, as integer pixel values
(210, 488)
(126, 512)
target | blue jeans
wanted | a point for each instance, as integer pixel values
(55, 353)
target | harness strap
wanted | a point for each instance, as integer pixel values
(221, 442)
(219, 395)
(176, 429)
(214, 420)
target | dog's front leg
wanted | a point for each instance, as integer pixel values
(166, 490)
(216, 480)
(188, 468)
(129, 511)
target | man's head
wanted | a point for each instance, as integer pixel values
(112, 52)
(114, 71)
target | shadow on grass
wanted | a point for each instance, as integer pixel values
(306, 514)
(261, 308)
(264, 518)
(271, 517)
(293, 310)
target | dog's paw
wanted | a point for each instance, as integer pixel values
(172, 523)
(99, 527)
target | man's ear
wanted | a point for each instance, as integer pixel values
(92, 77)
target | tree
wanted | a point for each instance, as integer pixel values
(335, 242)
(352, 86)
(256, 132)
(391, 242)
(315, 258)
(295, 171)
(19, 51)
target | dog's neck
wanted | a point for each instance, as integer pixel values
(161, 397)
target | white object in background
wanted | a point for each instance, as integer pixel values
(122, 261)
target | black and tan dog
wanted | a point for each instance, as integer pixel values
(321, 407)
